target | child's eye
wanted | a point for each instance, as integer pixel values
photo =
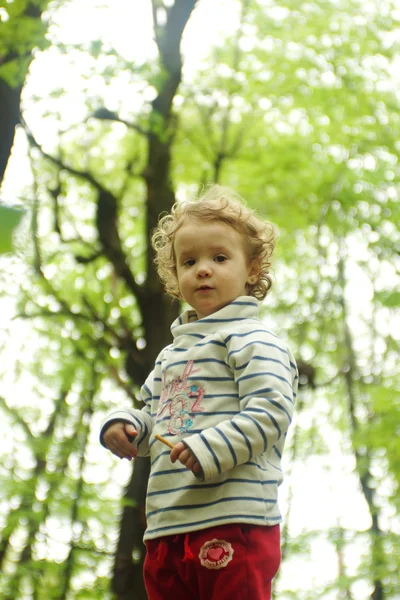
(189, 262)
(220, 258)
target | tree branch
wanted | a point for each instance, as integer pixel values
(106, 219)
(16, 417)
(59, 163)
(104, 114)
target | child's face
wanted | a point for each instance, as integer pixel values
(212, 265)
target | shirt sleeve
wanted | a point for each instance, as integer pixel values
(266, 377)
(140, 419)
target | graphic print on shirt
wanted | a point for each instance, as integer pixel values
(181, 399)
(216, 554)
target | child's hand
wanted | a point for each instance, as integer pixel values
(182, 453)
(116, 439)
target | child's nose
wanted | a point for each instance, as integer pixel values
(203, 270)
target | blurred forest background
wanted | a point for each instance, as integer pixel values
(109, 111)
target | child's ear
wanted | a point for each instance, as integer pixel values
(254, 271)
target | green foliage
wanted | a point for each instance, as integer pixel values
(22, 31)
(9, 219)
(299, 114)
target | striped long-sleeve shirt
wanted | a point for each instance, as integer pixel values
(226, 386)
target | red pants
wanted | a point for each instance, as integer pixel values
(230, 562)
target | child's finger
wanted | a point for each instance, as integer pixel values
(185, 456)
(131, 430)
(116, 450)
(196, 467)
(177, 451)
(121, 453)
(122, 444)
(130, 433)
(189, 462)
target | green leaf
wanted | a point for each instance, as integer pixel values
(9, 219)
(390, 299)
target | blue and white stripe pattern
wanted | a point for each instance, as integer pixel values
(227, 387)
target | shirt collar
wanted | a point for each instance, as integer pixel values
(243, 307)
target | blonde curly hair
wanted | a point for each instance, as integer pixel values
(218, 204)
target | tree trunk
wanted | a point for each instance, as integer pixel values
(9, 119)
(10, 98)
(363, 459)
(158, 311)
